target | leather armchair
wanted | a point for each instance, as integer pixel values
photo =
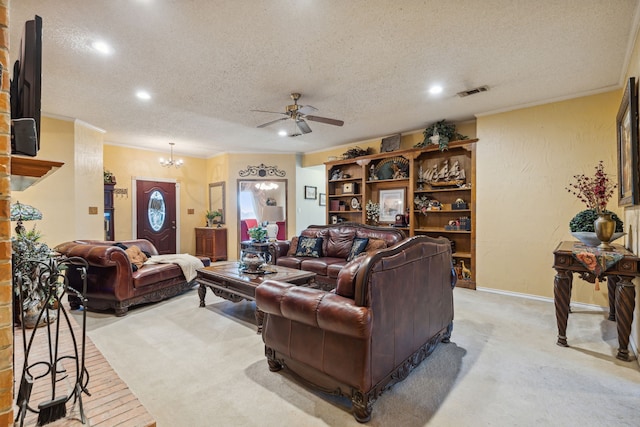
(400, 308)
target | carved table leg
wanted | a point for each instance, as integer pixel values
(202, 292)
(625, 302)
(612, 281)
(562, 297)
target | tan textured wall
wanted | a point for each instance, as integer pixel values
(64, 196)
(632, 214)
(525, 159)
(88, 180)
(6, 319)
(128, 163)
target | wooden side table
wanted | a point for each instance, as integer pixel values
(619, 277)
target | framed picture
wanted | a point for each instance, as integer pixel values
(391, 204)
(310, 192)
(627, 129)
(390, 143)
(322, 199)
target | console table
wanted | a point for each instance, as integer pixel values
(622, 292)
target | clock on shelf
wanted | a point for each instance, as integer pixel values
(355, 204)
(349, 188)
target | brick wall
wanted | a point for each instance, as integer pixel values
(6, 319)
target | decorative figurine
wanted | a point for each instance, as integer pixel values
(466, 273)
(372, 173)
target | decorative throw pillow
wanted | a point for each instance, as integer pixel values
(359, 245)
(309, 247)
(293, 246)
(136, 257)
(375, 244)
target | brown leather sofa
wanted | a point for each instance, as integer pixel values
(389, 311)
(336, 244)
(111, 281)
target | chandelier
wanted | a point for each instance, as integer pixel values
(171, 162)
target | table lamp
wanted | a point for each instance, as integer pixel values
(271, 215)
(21, 212)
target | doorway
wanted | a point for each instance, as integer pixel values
(155, 216)
(259, 202)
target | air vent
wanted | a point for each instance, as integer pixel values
(473, 91)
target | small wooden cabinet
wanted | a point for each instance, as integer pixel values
(212, 243)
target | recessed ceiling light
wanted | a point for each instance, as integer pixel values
(143, 94)
(102, 47)
(282, 133)
(434, 90)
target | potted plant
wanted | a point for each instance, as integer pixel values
(595, 192)
(213, 217)
(258, 234)
(109, 178)
(30, 255)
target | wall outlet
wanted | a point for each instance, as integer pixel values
(93, 210)
(191, 211)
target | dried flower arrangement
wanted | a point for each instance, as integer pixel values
(373, 211)
(352, 153)
(594, 192)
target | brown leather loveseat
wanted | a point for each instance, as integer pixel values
(337, 241)
(387, 314)
(112, 282)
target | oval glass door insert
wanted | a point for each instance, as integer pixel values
(156, 211)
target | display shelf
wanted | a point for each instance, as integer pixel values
(440, 230)
(445, 211)
(26, 171)
(421, 165)
(335, 196)
(400, 180)
(462, 254)
(442, 190)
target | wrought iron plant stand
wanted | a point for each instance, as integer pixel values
(61, 369)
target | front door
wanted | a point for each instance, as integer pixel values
(156, 214)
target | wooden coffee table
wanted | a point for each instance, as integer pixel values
(226, 280)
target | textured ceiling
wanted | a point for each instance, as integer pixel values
(370, 63)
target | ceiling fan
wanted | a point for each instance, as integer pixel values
(298, 113)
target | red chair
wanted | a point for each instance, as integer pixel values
(245, 225)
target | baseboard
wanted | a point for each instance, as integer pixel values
(632, 344)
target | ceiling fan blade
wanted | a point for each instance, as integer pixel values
(303, 126)
(264, 111)
(272, 122)
(325, 120)
(307, 109)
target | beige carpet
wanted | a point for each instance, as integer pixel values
(192, 366)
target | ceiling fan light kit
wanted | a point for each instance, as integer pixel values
(298, 113)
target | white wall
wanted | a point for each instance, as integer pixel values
(309, 212)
